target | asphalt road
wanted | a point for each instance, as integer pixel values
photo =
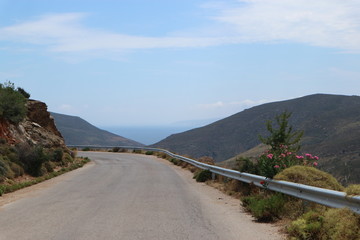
(127, 196)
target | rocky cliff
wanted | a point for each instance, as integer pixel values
(38, 128)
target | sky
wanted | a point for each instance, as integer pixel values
(161, 62)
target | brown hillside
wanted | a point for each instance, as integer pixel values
(38, 128)
(77, 131)
(331, 125)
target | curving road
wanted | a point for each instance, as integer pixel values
(127, 196)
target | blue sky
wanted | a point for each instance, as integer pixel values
(158, 62)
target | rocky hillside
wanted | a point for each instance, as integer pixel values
(331, 125)
(30, 143)
(38, 128)
(77, 131)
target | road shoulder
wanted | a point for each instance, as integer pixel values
(238, 222)
(9, 198)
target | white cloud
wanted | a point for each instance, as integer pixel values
(325, 23)
(65, 33)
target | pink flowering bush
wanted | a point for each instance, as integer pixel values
(284, 144)
(273, 161)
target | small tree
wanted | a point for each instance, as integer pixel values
(58, 155)
(32, 158)
(284, 143)
(23, 92)
(283, 135)
(12, 103)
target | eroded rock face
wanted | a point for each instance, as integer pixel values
(5, 132)
(38, 128)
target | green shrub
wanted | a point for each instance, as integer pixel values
(174, 161)
(9, 167)
(3, 167)
(16, 186)
(57, 155)
(12, 169)
(284, 142)
(23, 92)
(13, 157)
(85, 160)
(6, 150)
(67, 159)
(116, 149)
(32, 158)
(307, 227)
(341, 224)
(86, 149)
(282, 134)
(246, 165)
(137, 151)
(12, 103)
(73, 154)
(265, 208)
(149, 153)
(162, 155)
(16, 169)
(203, 175)
(40, 157)
(2, 190)
(49, 166)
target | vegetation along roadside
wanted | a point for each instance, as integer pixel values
(282, 161)
(31, 148)
(17, 184)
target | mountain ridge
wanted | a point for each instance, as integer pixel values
(331, 125)
(77, 131)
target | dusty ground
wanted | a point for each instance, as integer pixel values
(230, 206)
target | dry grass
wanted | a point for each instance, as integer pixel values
(353, 190)
(341, 224)
(309, 176)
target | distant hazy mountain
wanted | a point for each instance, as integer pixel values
(77, 131)
(331, 125)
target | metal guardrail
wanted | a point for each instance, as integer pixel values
(322, 196)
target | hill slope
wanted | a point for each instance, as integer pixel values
(77, 131)
(37, 129)
(331, 125)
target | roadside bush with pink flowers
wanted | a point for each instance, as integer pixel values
(272, 162)
(284, 145)
(282, 161)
